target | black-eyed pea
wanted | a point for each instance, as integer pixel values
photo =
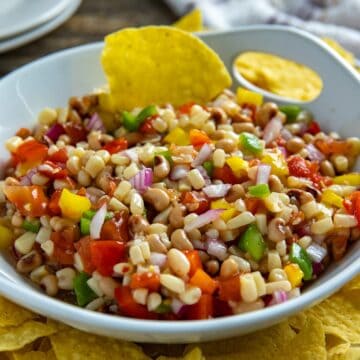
(161, 167)
(29, 262)
(155, 243)
(176, 216)
(180, 240)
(65, 278)
(295, 144)
(137, 224)
(228, 145)
(50, 284)
(157, 198)
(265, 113)
(212, 267)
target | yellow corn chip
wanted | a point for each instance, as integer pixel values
(160, 65)
(353, 353)
(191, 22)
(13, 315)
(34, 355)
(14, 338)
(194, 354)
(74, 344)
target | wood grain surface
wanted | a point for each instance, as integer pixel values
(93, 20)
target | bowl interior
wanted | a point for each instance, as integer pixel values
(49, 82)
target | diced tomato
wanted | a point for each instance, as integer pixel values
(352, 205)
(148, 280)
(225, 175)
(105, 254)
(76, 132)
(31, 151)
(221, 308)
(116, 228)
(194, 260)
(203, 309)
(298, 167)
(185, 108)
(64, 241)
(53, 205)
(348, 205)
(201, 279)
(331, 146)
(116, 145)
(229, 289)
(59, 156)
(253, 204)
(313, 128)
(195, 201)
(83, 248)
(29, 200)
(52, 170)
(198, 138)
(129, 307)
(147, 126)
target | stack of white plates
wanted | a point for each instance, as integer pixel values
(22, 21)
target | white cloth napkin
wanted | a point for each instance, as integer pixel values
(337, 19)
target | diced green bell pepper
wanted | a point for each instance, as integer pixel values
(250, 143)
(252, 241)
(132, 122)
(85, 226)
(259, 191)
(166, 154)
(33, 226)
(82, 290)
(299, 256)
(91, 213)
(163, 308)
(209, 167)
(291, 112)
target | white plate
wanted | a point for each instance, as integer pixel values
(17, 16)
(77, 71)
(33, 34)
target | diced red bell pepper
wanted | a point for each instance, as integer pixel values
(194, 260)
(116, 145)
(313, 128)
(59, 156)
(53, 205)
(116, 228)
(195, 201)
(64, 241)
(52, 170)
(198, 138)
(225, 174)
(203, 309)
(148, 280)
(76, 132)
(29, 200)
(331, 146)
(185, 108)
(31, 151)
(253, 205)
(229, 289)
(298, 167)
(147, 126)
(352, 205)
(105, 254)
(202, 280)
(129, 307)
(83, 248)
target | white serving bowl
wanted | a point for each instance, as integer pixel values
(49, 82)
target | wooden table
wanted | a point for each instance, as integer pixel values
(93, 20)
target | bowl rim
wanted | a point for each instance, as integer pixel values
(57, 309)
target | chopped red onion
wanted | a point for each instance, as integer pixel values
(158, 259)
(316, 252)
(203, 219)
(278, 297)
(283, 151)
(217, 249)
(204, 174)
(55, 131)
(26, 179)
(317, 268)
(314, 153)
(272, 130)
(202, 155)
(286, 134)
(95, 123)
(263, 173)
(216, 191)
(199, 245)
(97, 222)
(176, 305)
(131, 154)
(142, 180)
(179, 172)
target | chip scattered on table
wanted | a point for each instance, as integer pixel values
(191, 21)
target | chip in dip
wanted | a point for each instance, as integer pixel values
(279, 76)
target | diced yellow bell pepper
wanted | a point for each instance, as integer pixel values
(277, 162)
(237, 165)
(23, 168)
(6, 237)
(229, 210)
(330, 198)
(245, 96)
(294, 274)
(348, 179)
(73, 206)
(177, 136)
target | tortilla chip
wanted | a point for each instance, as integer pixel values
(34, 355)
(12, 314)
(191, 22)
(194, 354)
(14, 338)
(72, 344)
(353, 353)
(161, 65)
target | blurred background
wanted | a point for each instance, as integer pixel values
(75, 22)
